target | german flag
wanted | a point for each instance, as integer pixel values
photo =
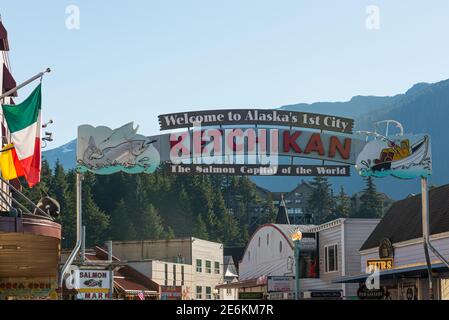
(10, 164)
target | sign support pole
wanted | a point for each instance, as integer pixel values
(297, 269)
(425, 231)
(79, 228)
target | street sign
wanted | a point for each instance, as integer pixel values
(92, 284)
(171, 293)
(250, 295)
(280, 284)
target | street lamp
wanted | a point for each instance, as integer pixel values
(296, 237)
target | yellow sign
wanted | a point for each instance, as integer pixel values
(379, 264)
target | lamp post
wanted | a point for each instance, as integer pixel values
(296, 237)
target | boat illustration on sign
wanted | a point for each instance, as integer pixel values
(400, 156)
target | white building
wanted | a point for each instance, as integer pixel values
(194, 264)
(230, 276)
(270, 252)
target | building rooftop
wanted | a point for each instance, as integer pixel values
(403, 220)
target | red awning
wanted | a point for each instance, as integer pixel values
(8, 81)
(4, 46)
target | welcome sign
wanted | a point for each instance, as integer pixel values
(238, 142)
(256, 117)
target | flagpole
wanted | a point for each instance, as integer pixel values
(20, 86)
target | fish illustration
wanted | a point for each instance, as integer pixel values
(93, 283)
(108, 151)
(125, 153)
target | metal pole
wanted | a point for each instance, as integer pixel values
(20, 86)
(79, 226)
(83, 244)
(297, 269)
(425, 232)
(111, 280)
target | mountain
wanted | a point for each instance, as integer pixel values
(424, 108)
(66, 154)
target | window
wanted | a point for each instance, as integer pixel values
(199, 265)
(199, 293)
(182, 275)
(259, 242)
(249, 255)
(280, 246)
(298, 201)
(217, 267)
(208, 266)
(208, 293)
(331, 258)
(174, 275)
(166, 274)
(268, 239)
(228, 292)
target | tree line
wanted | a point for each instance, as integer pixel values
(124, 207)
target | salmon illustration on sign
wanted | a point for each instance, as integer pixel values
(102, 150)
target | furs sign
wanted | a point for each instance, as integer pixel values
(221, 142)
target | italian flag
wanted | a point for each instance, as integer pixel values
(23, 156)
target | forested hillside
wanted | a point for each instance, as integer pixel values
(162, 206)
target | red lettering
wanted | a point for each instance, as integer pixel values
(343, 150)
(315, 145)
(290, 141)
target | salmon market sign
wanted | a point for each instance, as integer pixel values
(240, 142)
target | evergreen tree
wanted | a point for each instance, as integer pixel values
(343, 204)
(371, 204)
(200, 229)
(95, 220)
(321, 202)
(122, 228)
(169, 234)
(151, 224)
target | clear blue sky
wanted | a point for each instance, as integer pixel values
(137, 59)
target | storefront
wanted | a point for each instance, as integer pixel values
(395, 249)
(29, 254)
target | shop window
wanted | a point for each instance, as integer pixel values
(208, 266)
(199, 265)
(331, 258)
(208, 293)
(217, 267)
(166, 274)
(199, 292)
(182, 275)
(174, 275)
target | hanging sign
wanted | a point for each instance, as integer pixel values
(102, 150)
(92, 284)
(404, 157)
(264, 117)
